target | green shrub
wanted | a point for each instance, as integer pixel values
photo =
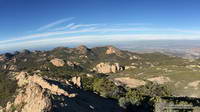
(87, 83)
(131, 98)
(105, 88)
(7, 88)
(154, 89)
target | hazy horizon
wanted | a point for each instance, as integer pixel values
(35, 24)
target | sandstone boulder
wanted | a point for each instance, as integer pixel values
(33, 99)
(58, 62)
(24, 79)
(76, 81)
(130, 82)
(108, 68)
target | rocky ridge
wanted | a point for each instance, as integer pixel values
(35, 97)
(39, 94)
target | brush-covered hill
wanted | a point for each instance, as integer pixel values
(100, 78)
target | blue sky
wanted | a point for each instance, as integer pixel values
(39, 23)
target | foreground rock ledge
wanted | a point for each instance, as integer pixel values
(34, 95)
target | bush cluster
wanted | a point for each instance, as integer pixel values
(7, 88)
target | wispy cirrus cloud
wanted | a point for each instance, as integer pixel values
(83, 33)
(50, 25)
(47, 34)
(64, 27)
(73, 26)
(84, 25)
(94, 38)
(105, 30)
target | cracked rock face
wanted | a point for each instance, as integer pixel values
(58, 62)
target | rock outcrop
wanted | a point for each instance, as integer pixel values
(107, 67)
(58, 62)
(2, 58)
(135, 57)
(82, 49)
(113, 50)
(37, 94)
(33, 99)
(24, 79)
(72, 64)
(76, 81)
(129, 82)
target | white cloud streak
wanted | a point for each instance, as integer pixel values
(50, 25)
(40, 35)
(65, 27)
(83, 25)
(95, 38)
(97, 28)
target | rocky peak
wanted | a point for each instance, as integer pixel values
(82, 49)
(113, 50)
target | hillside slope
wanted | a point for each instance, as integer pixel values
(107, 74)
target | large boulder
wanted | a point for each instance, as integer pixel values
(58, 62)
(33, 99)
(129, 82)
(76, 81)
(107, 67)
